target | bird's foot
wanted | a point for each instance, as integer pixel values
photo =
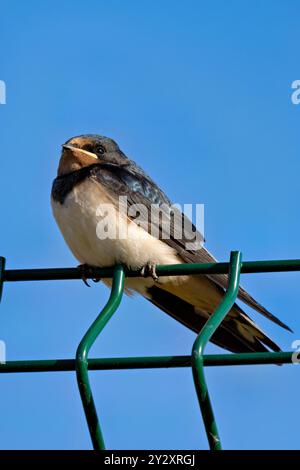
(149, 270)
(86, 272)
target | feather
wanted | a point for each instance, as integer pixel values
(188, 299)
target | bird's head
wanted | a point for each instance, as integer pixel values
(86, 150)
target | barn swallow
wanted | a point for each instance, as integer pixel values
(93, 172)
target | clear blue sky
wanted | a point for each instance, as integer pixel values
(198, 93)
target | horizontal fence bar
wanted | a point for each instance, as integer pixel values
(55, 274)
(125, 363)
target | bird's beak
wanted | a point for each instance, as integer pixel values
(76, 151)
(74, 158)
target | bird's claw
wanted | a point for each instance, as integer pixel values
(149, 270)
(86, 271)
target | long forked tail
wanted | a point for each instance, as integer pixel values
(237, 333)
(247, 299)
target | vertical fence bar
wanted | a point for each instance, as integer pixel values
(82, 357)
(199, 345)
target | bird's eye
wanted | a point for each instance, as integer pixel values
(100, 150)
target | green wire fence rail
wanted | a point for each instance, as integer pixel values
(197, 361)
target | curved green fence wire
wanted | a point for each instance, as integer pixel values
(198, 360)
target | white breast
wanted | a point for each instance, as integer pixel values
(78, 219)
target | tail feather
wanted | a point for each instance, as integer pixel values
(247, 299)
(204, 256)
(237, 333)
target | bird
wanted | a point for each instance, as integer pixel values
(93, 175)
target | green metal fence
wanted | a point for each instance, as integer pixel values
(197, 360)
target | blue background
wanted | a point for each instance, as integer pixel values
(199, 94)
